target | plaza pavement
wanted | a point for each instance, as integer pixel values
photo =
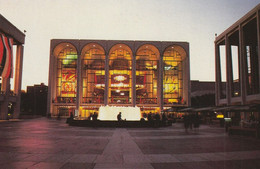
(52, 144)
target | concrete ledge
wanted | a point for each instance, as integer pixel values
(130, 124)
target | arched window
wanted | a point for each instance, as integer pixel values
(66, 80)
(93, 74)
(147, 61)
(120, 74)
(173, 75)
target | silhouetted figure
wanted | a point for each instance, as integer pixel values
(196, 121)
(94, 116)
(58, 117)
(191, 120)
(164, 118)
(186, 122)
(119, 117)
(90, 117)
(149, 117)
(71, 115)
(157, 120)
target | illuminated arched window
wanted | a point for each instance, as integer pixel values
(93, 74)
(120, 74)
(173, 75)
(147, 59)
(66, 80)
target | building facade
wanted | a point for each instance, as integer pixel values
(237, 64)
(36, 98)
(87, 74)
(10, 100)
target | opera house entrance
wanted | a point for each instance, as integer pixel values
(102, 76)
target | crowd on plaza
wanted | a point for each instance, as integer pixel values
(191, 121)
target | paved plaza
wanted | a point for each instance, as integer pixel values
(52, 144)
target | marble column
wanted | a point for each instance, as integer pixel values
(18, 79)
(106, 80)
(133, 81)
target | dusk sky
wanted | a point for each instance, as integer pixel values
(193, 21)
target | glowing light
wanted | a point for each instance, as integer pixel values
(111, 112)
(120, 78)
(69, 59)
(120, 85)
(220, 116)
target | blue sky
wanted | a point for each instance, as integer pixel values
(193, 21)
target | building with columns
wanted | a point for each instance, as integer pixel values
(237, 66)
(10, 36)
(87, 74)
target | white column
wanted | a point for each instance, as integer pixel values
(79, 83)
(160, 85)
(133, 80)
(18, 79)
(51, 84)
(106, 79)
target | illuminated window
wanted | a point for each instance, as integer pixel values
(66, 83)
(173, 75)
(93, 74)
(120, 75)
(147, 75)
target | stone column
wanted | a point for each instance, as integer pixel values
(133, 81)
(79, 89)
(258, 43)
(217, 75)
(106, 79)
(4, 104)
(228, 71)
(18, 79)
(160, 85)
(51, 84)
(186, 83)
(242, 66)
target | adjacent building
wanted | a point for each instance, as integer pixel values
(85, 75)
(237, 66)
(35, 100)
(10, 36)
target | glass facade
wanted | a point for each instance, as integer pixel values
(172, 76)
(117, 75)
(120, 75)
(66, 81)
(93, 74)
(237, 62)
(251, 56)
(234, 52)
(147, 62)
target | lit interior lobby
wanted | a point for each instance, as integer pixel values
(104, 77)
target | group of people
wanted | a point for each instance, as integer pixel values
(191, 121)
(93, 116)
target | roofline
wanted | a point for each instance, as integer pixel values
(242, 20)
(103, 40)
(9, 29)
